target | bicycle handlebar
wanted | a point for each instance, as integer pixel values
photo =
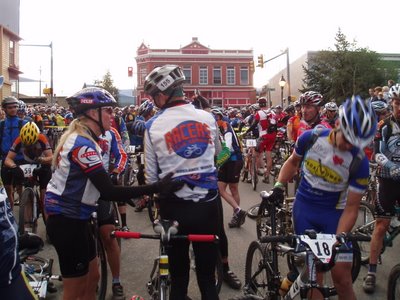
(290, 238)
(189, 237)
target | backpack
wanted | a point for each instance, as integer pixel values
(355, 163)
(2, 125)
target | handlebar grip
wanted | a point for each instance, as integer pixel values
(202, 238)
(126, 234)
(357, 237)
(276, 239)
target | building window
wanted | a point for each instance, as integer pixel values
(216, 102)
(217, 75)
(142, 75)
(230, 75)
(244, 75)
(12, 53)
(187, 71)
(203, 75)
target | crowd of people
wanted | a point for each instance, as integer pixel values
(193, 159)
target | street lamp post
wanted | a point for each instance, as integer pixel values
(282, 83)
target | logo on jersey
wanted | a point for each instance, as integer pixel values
(327, 174)
(337, 160)
(86, 156)
(188, 139)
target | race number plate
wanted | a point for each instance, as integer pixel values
(321, 246)
(27, 169)
(251, 143)
(131, 149)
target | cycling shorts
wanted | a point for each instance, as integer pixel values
(18, 289)
(308, 216)
(105, 213)
(387, 197)
(74, 243)
(44, 175)
(7, 176)
(266, 142)
(229, 172)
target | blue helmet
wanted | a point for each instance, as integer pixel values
(145, 108)
(90, 98)
(379, 106)
(358, 121)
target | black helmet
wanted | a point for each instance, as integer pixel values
(90, 98)
(9, 100)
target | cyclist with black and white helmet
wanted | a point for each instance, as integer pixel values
(183, 140)
(78, 181)
(328, 201)
(387, 156)
(331, 113)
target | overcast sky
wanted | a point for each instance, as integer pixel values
(92, 36)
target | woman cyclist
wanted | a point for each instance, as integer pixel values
(78, 181)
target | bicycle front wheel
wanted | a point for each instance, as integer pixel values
(27, 215)
(393, 287)
(102, 261)
(152, 208)
(257, 274)
(365, 224)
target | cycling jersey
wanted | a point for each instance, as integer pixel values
(31, 153)
(70, 192)
(181, 139)
(112, 149)
(294, 123)
(267, 122)
(11, 129)
(303, 126)
(325, 171)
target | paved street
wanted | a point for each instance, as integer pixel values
(138, 255)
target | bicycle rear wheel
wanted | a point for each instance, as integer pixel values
(152, 208)
(365, 224)
(102, 260)
(27, 215)
(393, 287)
(257, 274)
(254, 175)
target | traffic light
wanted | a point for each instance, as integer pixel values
(260, 61)
(130, 71)
(251, 66)
(47, 91)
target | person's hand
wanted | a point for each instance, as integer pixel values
(277, 195)
(168, 186)
(17, 173)
(114, 178)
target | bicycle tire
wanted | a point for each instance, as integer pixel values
(254, 176)
(393, 287)
(257, 275)
(252, 212)
(117, 220)
(244, 174)
(40, 209)
(218, 273)
(163, 290)
(152, 209)
(365, 225)
(36, 263)
(102, 260)
(25, 204)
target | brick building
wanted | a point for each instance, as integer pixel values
(223, 76)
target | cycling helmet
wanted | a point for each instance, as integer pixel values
(255, 107)
(394, 91)
(312, 98)
(163, 80)
(138, 127)
(21, 107)
(262, 102)
(379, 106)
(331, 106)
(358, 121)
(297, 103)
(90, 98)
(145, 108)
(9, 100)
(217, 111)
(29, 134)
(278, 106)
(289, 109)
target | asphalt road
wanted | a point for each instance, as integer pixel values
(138, 255)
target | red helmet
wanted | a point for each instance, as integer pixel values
(311, 98)
(262, 101)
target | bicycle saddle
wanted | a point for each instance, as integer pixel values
(165, 226)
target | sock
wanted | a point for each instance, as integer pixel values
(236, 210)
(372, 268)
(225, 267)
(115, 281)
(123, 220)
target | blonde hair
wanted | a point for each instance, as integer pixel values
(79, 127)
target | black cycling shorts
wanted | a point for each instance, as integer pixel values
(105, 213)
(7, 177)
(387, 197)
(74, 243)
(229, 172)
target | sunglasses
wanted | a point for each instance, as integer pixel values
(108, 109)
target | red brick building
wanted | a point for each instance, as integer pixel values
(223, 76)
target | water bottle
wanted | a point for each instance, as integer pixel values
(287, 282)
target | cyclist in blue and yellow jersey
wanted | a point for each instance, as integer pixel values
(387, 156)
(78, 181)
(334, 177)
(182, 139)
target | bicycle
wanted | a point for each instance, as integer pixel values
(30, 206)
(250, 161)
(393, 287)
(38, 270)
(166, 230)
(269, 252)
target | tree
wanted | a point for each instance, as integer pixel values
(347, 70)
(108, 84)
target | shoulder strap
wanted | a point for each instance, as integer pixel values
(1, 129)
(316, 132)
(356, 162)
(20, 124)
